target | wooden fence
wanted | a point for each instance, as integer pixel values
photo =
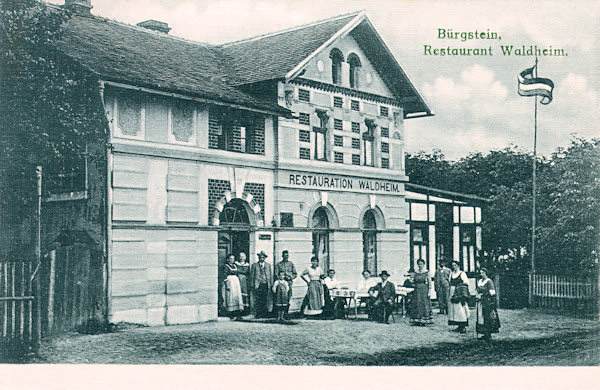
(17, 309)
(577, 294)
(72, 288)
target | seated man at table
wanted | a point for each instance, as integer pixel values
(385, 298)
(362, 290)
(334, 308)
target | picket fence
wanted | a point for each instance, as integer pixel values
(564, 292)
(17, 307)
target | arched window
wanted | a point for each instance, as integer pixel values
(336, 65)
(369, 228)
(354, 62)
(234, 213)
(320, 224)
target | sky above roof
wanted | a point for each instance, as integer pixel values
(474, 98)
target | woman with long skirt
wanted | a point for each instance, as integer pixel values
(458, 310)
(315, 299)
(421, 313)
(243, 267)
(487, 314)
(231, 290)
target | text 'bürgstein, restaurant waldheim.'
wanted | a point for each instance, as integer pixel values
(290, 140)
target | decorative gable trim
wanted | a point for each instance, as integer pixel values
(345, 30)
(352, 92)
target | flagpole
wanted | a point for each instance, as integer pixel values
(534, 180)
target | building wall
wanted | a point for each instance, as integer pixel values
(347, 45)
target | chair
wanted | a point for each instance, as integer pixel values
(393, 309)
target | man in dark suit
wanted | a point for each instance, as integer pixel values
(385, 293)
(261, 280)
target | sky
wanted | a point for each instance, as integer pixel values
(474, 98)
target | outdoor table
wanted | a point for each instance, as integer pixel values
(401, 293)
(346, 294)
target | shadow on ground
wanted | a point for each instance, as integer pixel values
(553, 351)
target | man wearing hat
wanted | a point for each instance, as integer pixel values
(288, 269)
(261, 279)
(385, 293)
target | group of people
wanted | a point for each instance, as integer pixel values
(451, 285)
(452, 290)
(243, 281)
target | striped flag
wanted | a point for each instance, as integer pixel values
(535, 86)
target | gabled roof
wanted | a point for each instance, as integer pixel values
(283, 55)
(272, 56)
(137, 56)
(141, 57)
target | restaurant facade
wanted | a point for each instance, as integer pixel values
(289, 141)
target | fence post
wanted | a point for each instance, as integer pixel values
(51, 277)
(497, 285)
(596, 294)
(38, 254)
(530, 300)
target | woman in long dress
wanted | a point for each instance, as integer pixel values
(315, 296)
(458, 310)
(421, 313)
(243, 267)
(487, 314)
(231, 290)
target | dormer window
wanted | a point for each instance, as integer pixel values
(336, 65)
(354, 62)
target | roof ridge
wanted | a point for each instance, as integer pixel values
(146, 30)
(294, 28)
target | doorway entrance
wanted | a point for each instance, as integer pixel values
(232, 240)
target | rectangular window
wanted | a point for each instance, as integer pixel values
(67, 176)
(385, 163)
(286, 219)
(338, 102)
(355, 143)
(385, 132)
(304, 136)
(368, 138)
(384, 111)
(338, 140)
(304, 118)
(319, 145)
(303, 95)
(385, 147)
(305, 153)
(356, 127)
(337, 124)
(368, 152)
(355, 105)
(356, 159)
(236, 131)
(243, 140)
(338, 157)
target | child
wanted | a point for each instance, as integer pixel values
(282, 298)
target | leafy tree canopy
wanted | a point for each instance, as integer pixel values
(567, 202)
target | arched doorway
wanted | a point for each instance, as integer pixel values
(369, 231)
(234, 238)
(320, 237)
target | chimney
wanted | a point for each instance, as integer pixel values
(155, 25)
(81, 7)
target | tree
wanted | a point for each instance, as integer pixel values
(50, 107)
(429, 169)
(567, 197)
(569, 220)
